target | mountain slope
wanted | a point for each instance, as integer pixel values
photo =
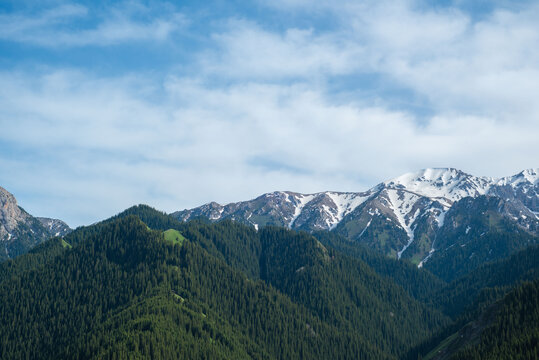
(19, 231)
(119, 288)
(338, 288)
(506, 330)
(467, 298)
(107, 296)
(419, 283)
(402, 217)
(494, 278)
(344, 291)
(476, 231)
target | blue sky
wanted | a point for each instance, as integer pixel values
(106, 104)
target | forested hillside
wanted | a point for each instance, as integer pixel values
(144, 285)
(119, 289)
(508, 329)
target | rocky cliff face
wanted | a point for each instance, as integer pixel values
(10, 213)
(19, 231)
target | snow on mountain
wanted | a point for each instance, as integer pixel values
(54, 226)
(414, 205)
(402, 205)
(522, 187)
(528, 177)
(346, 203)
(319, 211)
(532, 175)
(445, 185)
(300, 202)
(407, 194)
(440, 218)
(326, 210)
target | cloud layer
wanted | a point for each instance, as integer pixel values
(356, 95)
(69, 25)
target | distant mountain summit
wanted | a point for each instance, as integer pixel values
(55, 227)
(447, 185)
(401, 217)
(320, 211)
(20, 231)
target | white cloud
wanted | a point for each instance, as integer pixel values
(103, 143)
(61, 26)
(488, 68)
(256, 113)
(461, 65)
(247, 51)
(13, 25)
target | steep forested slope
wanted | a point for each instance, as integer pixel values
(114, 293)
(144, 285)
(419, 283)
(119, 290)
(508, 329)
(475, 232)
(488, 282)
(470, 300)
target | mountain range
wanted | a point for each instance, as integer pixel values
(144, 284)
(405, 217)
(427, 217)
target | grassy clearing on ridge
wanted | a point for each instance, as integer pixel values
(174, 236)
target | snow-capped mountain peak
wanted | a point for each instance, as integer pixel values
(525, 177)
(532, 175)
(401, 217)
(441, 183)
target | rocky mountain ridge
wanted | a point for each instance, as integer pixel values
(54, 226)
(401, 217)
(20, 231)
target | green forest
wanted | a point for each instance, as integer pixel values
(143, 285)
